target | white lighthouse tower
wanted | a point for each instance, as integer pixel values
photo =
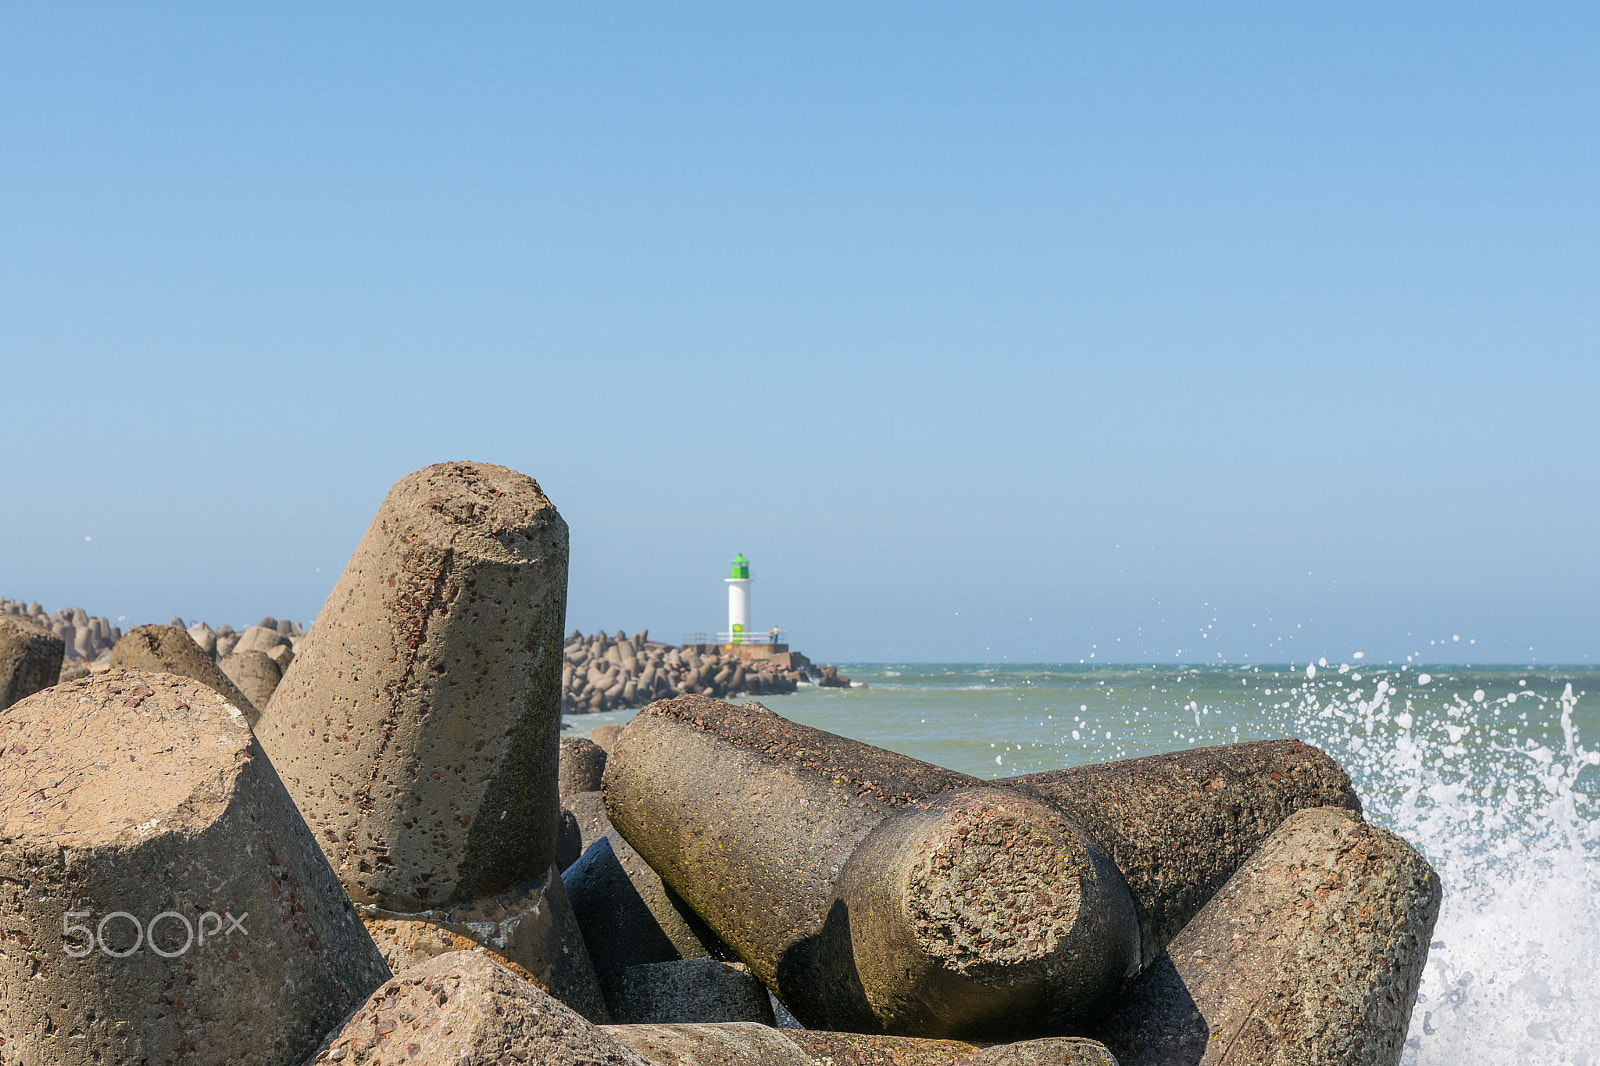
(738, 600)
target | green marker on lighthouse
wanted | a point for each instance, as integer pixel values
(738, 599)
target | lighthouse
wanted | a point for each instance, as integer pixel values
(738, 599)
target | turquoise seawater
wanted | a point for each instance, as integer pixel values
(1489, 772)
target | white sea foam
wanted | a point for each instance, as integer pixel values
(1498, 805)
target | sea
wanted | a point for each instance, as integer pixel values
(1493, 773)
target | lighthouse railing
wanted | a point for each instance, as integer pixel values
(774, 636)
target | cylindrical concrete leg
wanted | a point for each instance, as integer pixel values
(629, 917)
(756, 822)
(1178, 825)
(257, 675)
(162, 899)
(1045, 1051)
(417, 726)
(30, 658)
(983, 914)
(171, 650)
(687, 990)
(465, 1008)
(750, 1044)
(753, 1044)
(583, 764)
(531, 926)
(1310, 954)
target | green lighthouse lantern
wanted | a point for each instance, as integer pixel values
(741, 567)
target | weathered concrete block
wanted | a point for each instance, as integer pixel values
(161, 899)
(255, 673)
(30, 658)
(628, 916)
(752, 1044)
(259, 638)
(1045, 1051)
(205, 638)
(71, 670)
(686, 990)
(283, 655)
(589, 811)
(1178, 825)
(417, 727)
(530, 927)
(170, 650)
(605, 736)
(871, 891)
(1311, 953)
(582, 764)
(464, 1009)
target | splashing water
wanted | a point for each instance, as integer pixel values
(1497, 791)
(1493, 792)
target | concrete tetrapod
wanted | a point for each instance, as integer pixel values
(583, 763)
(171, 650)
(464, 1009)
(873, 892)
(417, 727)
(30, 658)
(256, 675)
(1178, 825)
(588, 810)
(1311, 953)
(687, 990)
(530, 927)
(751, 1044)
(161, 899)
(628, 916)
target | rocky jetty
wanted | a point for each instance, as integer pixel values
(85, 636)
(88, 641)
(400, 861)
(608, 673)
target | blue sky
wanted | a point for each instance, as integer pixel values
(1150, 332)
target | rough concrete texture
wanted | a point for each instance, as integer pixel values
(259, 638)
(1046, 1051)
(605, 736)
(206, 637)
(871, 891)
(628, 916)
(726, 1044)
(530, 927)
(752, 1044)
(283, 655)
(582, 764)
(589, 811)
(687, 990)
(170, 650)
(1311, 953)
(464, 1009)
(1178, 825)
(30, 658)
(139, 807)
(583, 821)
(256, 674)
(405, 939)
(417, 726)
